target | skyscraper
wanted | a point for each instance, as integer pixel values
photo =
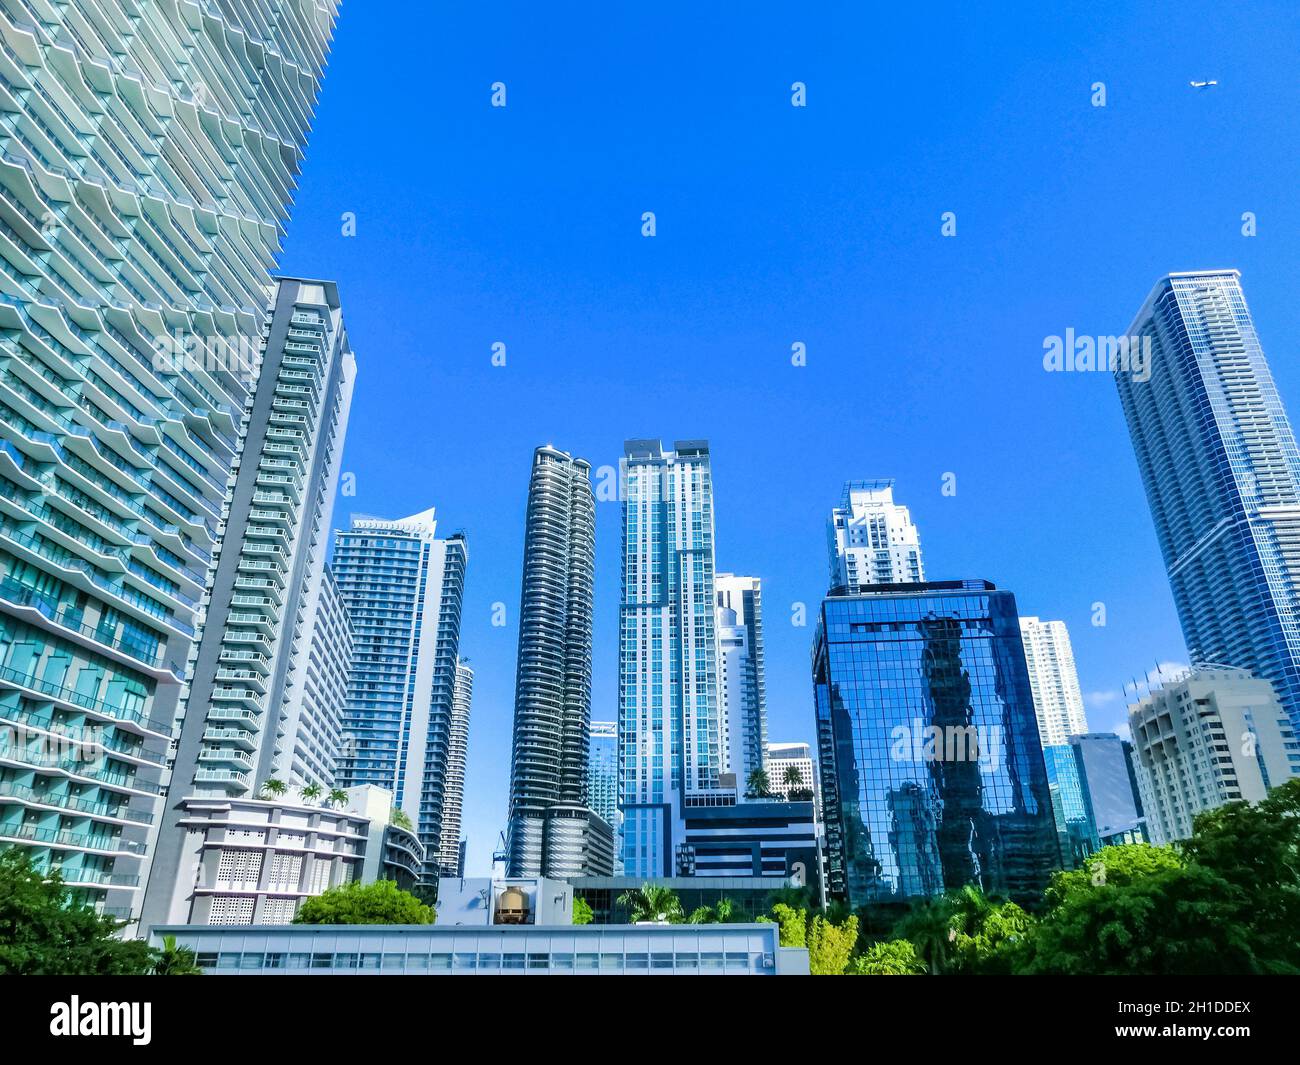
(784, 757)
(742, 690)
(1211, 736)
(872, 539)
(551, 830)
(146, 175)
(932, 773)
(1222, 475)
(602, 771)
(452, 858)
(233, 725)
(668, 671)
(403, 588)
(1058, 702)
(1108, 782)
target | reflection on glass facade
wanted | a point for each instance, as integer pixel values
(931, 767)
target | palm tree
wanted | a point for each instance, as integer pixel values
(311, 791)
(175, 961)
(652, 904)
(930, 928)
(792, 778)
(727, 911)
(757, 784)
(337, 797)
(401, 819)
(274, 787)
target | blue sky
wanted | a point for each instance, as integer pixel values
(776, 225)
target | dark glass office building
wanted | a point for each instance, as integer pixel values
(932, 772)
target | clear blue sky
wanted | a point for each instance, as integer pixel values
(777, 224)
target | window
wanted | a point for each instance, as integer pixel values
(231, 909)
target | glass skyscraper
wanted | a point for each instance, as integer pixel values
(671, 753)
(932, 773)
(1221, 469)
(148, 154)
(403, 588)
(552, 831)
(602, 771)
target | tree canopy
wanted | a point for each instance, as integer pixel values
(382, 902)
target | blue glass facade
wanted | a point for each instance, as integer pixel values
(932, 771)
(1104, 766)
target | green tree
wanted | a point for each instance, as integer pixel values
(793, 931)
(726, 911)
(830, 946)
(928, 927)
(792, 777)
(582, 911)
(274, 788)
(895, 957)
(44, 933)
(652, 902)
(311, 792)
(174, 960)
(382, 902)
(757, 784)
(337, 798)
(401, 819)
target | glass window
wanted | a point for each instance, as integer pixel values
(512, 961)
(228, 960)
(611, 963)
(539, 961)
(440, 961)
(370, 961)
(561, 961)
(322, 961)
(463, 961)
(298, 961)
(393, 961)
(588, 961)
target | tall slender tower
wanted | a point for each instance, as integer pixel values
(453, 799)
(552, 831)
(235, 728)
(1058, 702)
(145, 176)
(742, 690)
(1222, 475)
(403, 588)
(668, 688)
(872, 539)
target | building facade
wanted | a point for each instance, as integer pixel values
(1216, 735)
(552, 831)
(671, 750)
(231, 731)
(602, 771)
(254, 861)
(1074, 830)
(453, 802)
(788, 761)
(130, 327)
(1108, 783)
(761, 838)
(403, 587)
(872, 539)
(932, 772)
(742, 688)
(1221, 469)
(1054, 681)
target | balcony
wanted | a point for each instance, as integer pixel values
(45, 800)
(232, 781)
(235, 714)
(226, 756)
(245, 740)
(242, 696)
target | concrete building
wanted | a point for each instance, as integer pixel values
(403, 587)
(552, 830)
(1213, 736)
(1219, 462)
(784, 757)
(755, 838)
(232, 725)
(254, 861)
(452, 859)
(872, 539)
(605, 950)
(1054, 681)
(742, 687)
(671, 754)
(132, 292)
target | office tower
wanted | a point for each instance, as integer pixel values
(146, 175)
(1212, 736)
(783, 759)
(602, 771)
(453, 801)
(872, 539)
(552, 831)
(1108, 783)
(317, 693)
(1222, 476)
(668, 688)
(932, 773)
(1069, 808)
(232, 729)
(742, 691)
(1058, 702)
(403, 588)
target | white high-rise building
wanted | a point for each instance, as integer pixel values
(872, 539)
(453, 799)
(1212, 736)
(781, 759)
(1058, 702)
(742, 699)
